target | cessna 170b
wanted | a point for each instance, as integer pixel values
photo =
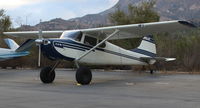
(91, 46)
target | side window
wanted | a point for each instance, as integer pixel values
(102, 45)
(90, 41)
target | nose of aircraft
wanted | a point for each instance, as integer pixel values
(42, 41)
(39, 41)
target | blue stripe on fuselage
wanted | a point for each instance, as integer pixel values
(77, 46)
(144, 52)
(63, 45)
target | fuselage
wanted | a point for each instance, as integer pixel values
(6, 51)
(69, 49)
(3, 52)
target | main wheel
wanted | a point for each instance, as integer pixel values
(46, 76)
(83, 75)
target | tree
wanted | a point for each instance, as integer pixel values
(5, 22)
(119, 17)
(141, 13)
(183, 46)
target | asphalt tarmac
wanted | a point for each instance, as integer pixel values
(23, 89)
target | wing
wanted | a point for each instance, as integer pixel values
(34, 34)
(125, 31)
(138, 30)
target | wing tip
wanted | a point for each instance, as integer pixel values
(189, 24)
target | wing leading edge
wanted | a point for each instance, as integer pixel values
(138, 30)
(34, 34)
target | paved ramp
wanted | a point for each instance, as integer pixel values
(23, 89)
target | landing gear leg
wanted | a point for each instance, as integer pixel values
(47, 74)
(151, 70)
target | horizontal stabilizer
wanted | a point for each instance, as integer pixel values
(170, 59)
(26, 45)
(148, 59)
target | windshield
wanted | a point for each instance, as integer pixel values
(75, 35)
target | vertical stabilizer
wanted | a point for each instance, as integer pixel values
(11, 44)
(147, 47)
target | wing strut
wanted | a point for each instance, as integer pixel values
(108, 37)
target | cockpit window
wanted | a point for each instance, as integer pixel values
(90, 41)
(75, 35)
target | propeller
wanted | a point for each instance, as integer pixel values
(39, 41)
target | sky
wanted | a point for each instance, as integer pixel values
(31, 11)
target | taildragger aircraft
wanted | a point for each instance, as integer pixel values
(91, 46)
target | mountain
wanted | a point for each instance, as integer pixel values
(167, 9)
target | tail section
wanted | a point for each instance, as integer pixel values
(15, 47)
(11, 44)
(147, 47)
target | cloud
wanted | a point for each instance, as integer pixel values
(112, 2)
(11, 4)
(31, 11)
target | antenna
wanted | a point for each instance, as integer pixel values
(77, 24)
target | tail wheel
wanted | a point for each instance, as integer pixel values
(83, 75)
(151, 71)
(47, 75)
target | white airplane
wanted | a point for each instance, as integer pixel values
(91, 46)
(15, 50)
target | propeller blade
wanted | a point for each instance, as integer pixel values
(39, 56)
(39, 48)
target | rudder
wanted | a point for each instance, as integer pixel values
(11, 44)
(147, 47)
